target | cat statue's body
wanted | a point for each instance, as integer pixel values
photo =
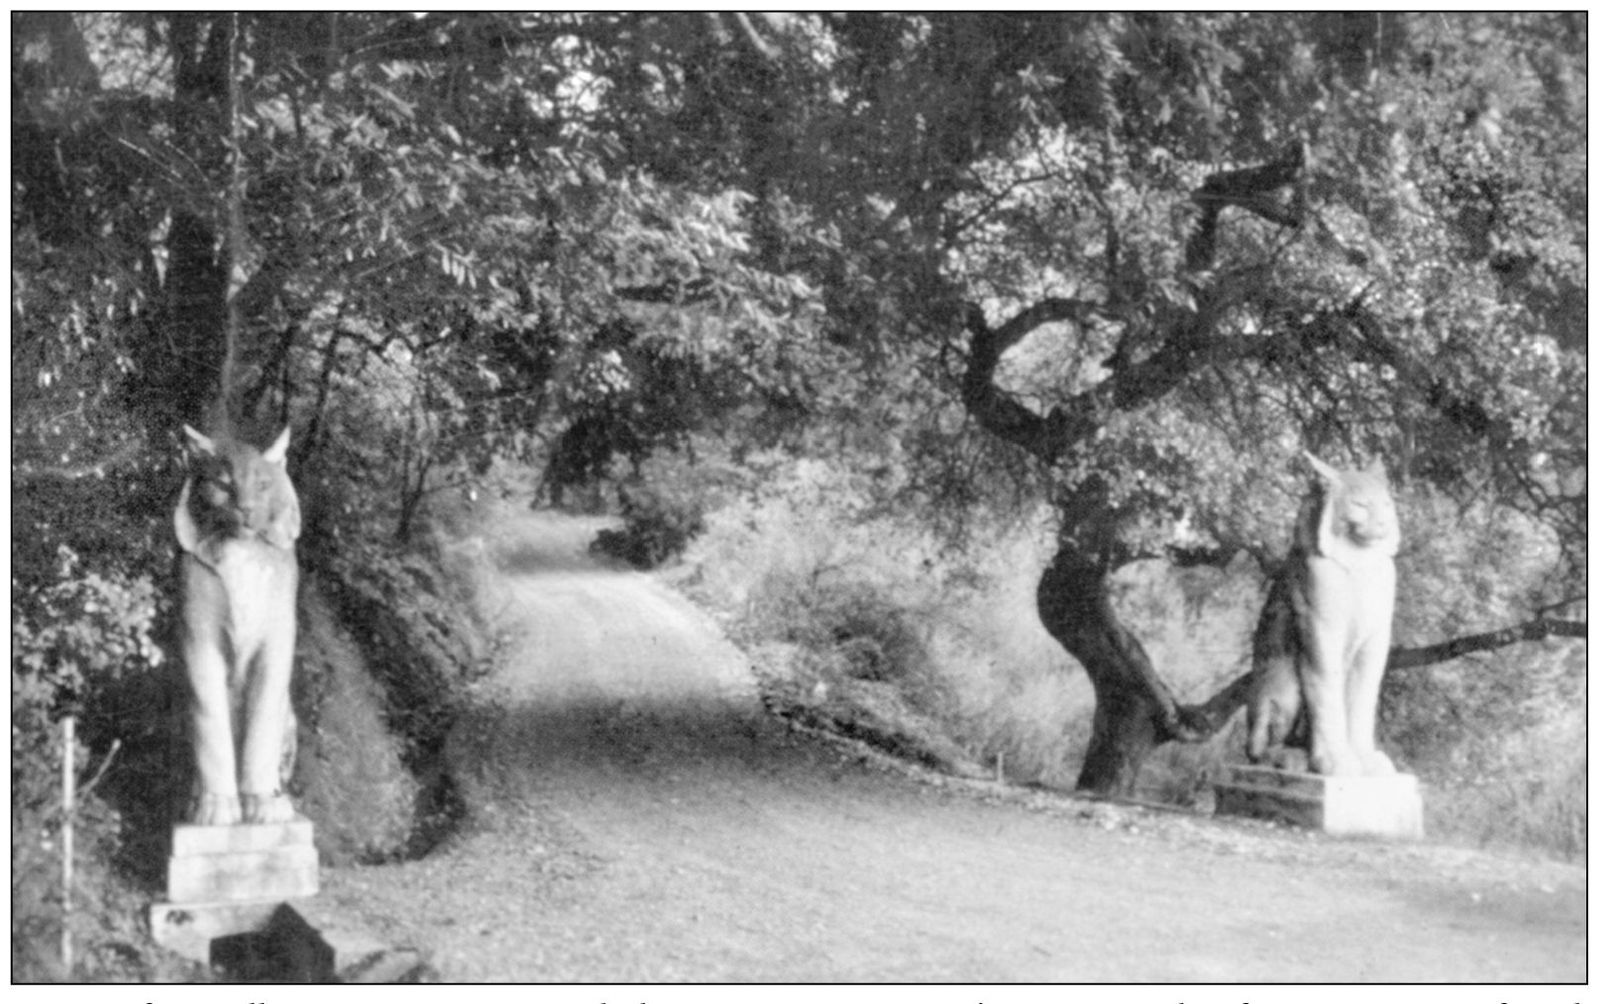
(237, 522)
(1321, 644)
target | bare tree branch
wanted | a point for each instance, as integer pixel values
(1254, 189)
(1043, 436)
(1187, 337)
(1534, 630)
(1202, 721)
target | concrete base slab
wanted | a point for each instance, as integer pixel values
(355, 955)
(189, 929)
(278, 942)
(1369, 806)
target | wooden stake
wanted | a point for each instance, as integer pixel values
(67, 799)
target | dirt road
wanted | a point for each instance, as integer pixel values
(636, 817)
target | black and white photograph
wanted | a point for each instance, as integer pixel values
(645, 507)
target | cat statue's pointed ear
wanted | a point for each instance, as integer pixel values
(286, 523)
(200, 443)
(184, 521)
(1325, 543)
(275, 454)
(184, 524)
(1321, 468)
(1322, 524)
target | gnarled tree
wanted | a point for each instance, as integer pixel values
(1080, 229)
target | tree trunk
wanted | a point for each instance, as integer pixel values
(181, 378)
(1134, 712)
(190, 383)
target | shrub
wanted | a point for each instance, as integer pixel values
(350, 776)
(658, 524)
(1497, 736)
(425, 639)
(36, 904)
(1501, 743)
(81, 630)
(84, 641)
(663, 501)
(855, 593)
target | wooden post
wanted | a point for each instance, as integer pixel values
(67, 799)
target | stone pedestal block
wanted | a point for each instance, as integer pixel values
(243, 862)
(1369, 806)
(227, 880)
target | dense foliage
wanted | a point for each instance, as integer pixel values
(1124, 266)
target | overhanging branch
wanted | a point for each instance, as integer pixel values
(1533, 630)
(1001, 414)
(1258, 190)
(1185, 337)
(1202, 721)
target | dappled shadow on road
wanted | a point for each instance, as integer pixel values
(536, 542)
(513, 749)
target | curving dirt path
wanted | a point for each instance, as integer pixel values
(636, 817)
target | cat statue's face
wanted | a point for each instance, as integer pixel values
(238, 492)
(1358, 512)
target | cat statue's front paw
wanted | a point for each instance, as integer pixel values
(275, 808)
(216, 810)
